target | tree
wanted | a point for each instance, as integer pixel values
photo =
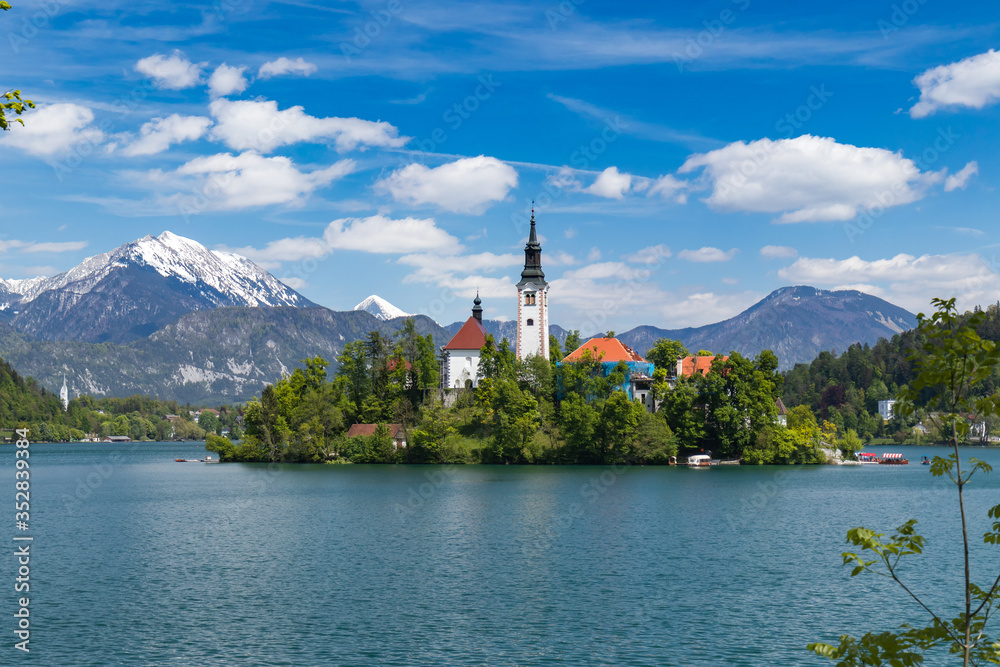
(573, 341)
(951, 363)
(12, 100)
(665, 353)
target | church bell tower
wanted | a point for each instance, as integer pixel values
(532, 302)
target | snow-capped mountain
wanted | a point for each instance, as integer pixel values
(135, 289)
(380, 308)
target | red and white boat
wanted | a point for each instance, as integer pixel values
(893, 458)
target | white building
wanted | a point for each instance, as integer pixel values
(64, 394)
(532, 302)
(886, 409)
(460, 357)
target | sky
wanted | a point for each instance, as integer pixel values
(684, 159)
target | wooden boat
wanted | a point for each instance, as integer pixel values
(867, 457)
(893, 458)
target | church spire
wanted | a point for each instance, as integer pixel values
(477, 308)
(532, 272)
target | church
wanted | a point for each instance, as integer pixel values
(460, 357)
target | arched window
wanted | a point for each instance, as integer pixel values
(531, 322)
(468, 362)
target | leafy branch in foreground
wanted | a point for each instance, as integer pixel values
(12, 98)
(952, 360)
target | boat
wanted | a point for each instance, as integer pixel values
(730, 462)
(867, 457)
(925, 461)
(699, 461)
(893, 458)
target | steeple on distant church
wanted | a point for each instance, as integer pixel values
(532, 301)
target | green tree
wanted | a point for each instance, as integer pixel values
(573, 341)
(951, 363)
(665, 353)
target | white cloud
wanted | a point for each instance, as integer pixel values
(959, 180)
(45, 246)
(606, 270)
(227, 182)
(294, 283)
(558, 258)
(611, 184)
(655, 254)
(226, 80)
(905, 280)
(708, 254)
(594, 254)
(174, 72)
(468, 185)
(283, 250)
(778, 252)
(157, 135)
(973, 82)
(259, 125)
(54, 128)
(379, 234)
(285, 66)
(668, 186)
(808, 179)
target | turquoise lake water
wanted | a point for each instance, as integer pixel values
(138, 560)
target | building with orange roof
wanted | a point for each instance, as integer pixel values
(688, 366)
(460, 357)
(610, 352)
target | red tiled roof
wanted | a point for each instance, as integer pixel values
(701, 365)
(369, 430)
(472, 336)
(391, 366)
(605, 349)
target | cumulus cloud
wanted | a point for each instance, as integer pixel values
(283, 250)
(973, 82)
(708, 254)
(611, 184)
(380, 234)
(808, 179)
(285, 66)
(259, 125)
(655, 254)
(959, 180)
(54, 129)
(668, 186)
(778, 252)
(173, 72)
(158, 134)
(227, 182)
(226, 80)
(468, 185)
(905, 280)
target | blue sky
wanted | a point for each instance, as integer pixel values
(686, 158)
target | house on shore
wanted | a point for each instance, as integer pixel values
(396, 432)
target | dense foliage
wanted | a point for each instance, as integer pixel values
(846, 389)
(951, 364)
(24, 404)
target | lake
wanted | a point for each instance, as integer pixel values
(138, 560)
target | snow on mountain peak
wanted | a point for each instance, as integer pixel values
(230, 279)
(380, 308)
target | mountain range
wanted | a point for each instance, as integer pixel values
(138, 288)
(166, 316)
